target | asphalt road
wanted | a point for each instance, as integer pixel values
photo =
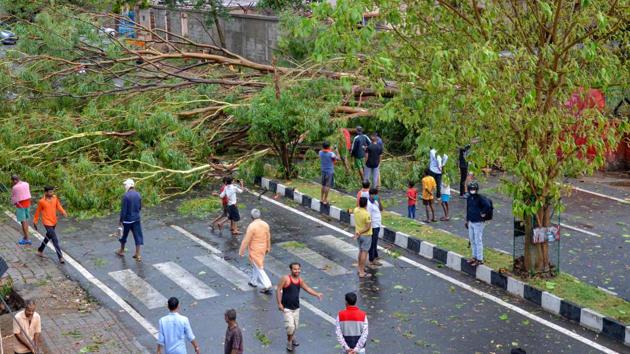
(595, 237)
(410, 310)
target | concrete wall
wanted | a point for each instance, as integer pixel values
(251, 36)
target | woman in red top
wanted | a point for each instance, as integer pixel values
(221, 219)
(412, 198)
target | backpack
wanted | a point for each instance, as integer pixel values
(490, 210)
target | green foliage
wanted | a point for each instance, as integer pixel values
(290, 119)
(278, 6)
(23, 9)
(463, 72)
(200, 208)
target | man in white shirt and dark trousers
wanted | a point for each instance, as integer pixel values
(375, 207)
(230, 192)
(436, 165)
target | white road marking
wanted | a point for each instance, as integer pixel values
(623, 201)
(226, 270)
(139, 288)
(462, 285)
(99, 284)
(315, 259)
(180, 276)
(343, 247)
(196, 239)
(580, 230)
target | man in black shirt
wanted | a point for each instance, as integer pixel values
(373, 161)
(288, 297)
(463, 168)
(357, 151)
(233, 335)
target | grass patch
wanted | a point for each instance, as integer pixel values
(564, 285)
(200, 208)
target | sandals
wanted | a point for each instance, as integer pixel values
(137, 258)
(365, 275)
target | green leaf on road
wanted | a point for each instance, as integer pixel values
(525, 322)
(503, 317)
(550, 285)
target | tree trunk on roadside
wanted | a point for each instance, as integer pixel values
(536, 256)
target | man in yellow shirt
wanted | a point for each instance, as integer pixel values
(363, 233)
(428, 186)
(27, 329)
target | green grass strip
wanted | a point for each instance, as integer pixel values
(564, 285)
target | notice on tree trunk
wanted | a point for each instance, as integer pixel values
(546, 234)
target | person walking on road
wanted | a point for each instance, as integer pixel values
(477, 208)
(357, 151)
(327, 159)
(363, 234)
(233, 343)
(48, 207)
(174, 331)
(436, 166)
(257, 241)
(428, 186)
(21, 199)
(373, 155)
(130, 219)
(352, 327)
(230, 192)
(375, 207)
(288, 298)
(221, 219)
(27, 329)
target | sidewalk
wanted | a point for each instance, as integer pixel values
(71, 321)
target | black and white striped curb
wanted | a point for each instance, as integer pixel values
(551, 303)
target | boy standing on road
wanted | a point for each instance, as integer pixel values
(130, 219)
(363, 234)
(47, 207)
(373, 155)
(327, 158)
(352, 327)
(412, 199)
(230, 192)
(233, 343)
(221, 219)
(288, 298)
(21, 199)
(428, 186)
(446, 196)
(477, 208)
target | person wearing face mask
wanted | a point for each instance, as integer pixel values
(478, 210)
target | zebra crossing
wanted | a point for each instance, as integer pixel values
(141, 288)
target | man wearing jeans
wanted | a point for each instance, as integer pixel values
(476, 210)
(130, 219)
(375, 208)
(373, 155)
(47, 208)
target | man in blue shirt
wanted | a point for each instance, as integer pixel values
(327, 158)
(175, 331)
(130, 219)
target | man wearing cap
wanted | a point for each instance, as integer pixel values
(357, 151)
(257, 241)
(130, 218)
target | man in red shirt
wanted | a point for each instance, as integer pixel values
(352, 327)
(47, 208)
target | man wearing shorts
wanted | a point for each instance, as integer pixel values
(288, 298)
(21, 198)
(363, 234)
(218, 222)
(327, 159)
(230, 192)
(428, 186)
(359, 144)
(130, 219)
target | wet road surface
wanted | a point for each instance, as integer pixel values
(409, 309)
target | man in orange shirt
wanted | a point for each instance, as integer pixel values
(47, 207)
(428, 187)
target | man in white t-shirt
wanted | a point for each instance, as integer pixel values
(374, 208)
